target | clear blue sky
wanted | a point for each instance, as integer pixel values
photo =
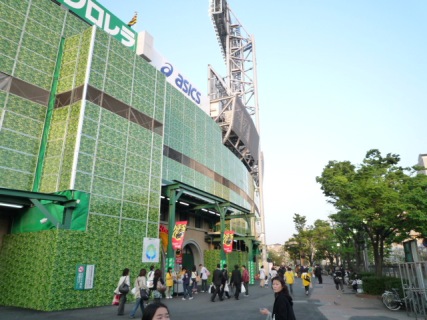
(335, 79)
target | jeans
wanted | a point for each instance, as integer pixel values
(138, 303)
(246, 284)
(205, 285)
(187, 290)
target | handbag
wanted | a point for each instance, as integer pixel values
(116, 300)
(124, 287)
(160, 286)
(243, 289)
(143, 294)
(226, 288)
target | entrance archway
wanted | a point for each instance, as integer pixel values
(191, 254)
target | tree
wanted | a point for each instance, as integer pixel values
(378, 197)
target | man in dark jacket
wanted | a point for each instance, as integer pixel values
(318, 273)
(236, 280)
(217, 281)
(224, 282)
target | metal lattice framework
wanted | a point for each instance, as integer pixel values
(233, 99)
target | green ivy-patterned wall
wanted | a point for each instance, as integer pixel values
(212, 258)
(119, 163)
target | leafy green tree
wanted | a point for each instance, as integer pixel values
(379, 197)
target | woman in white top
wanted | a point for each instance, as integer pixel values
(140, 283)
(262, 277)
(126, 279)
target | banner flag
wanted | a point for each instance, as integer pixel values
(227, 242)
(150, 250)
(164, 235)
(134, 20)
(178, 234)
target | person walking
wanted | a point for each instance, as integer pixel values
(159, 286)
(224, 283)
(169, 283)
(186, 277)
(338, 279)
(125, 278)
(306, 279)
(245, 279)
(283, 305)
(140, 284)
(204, 274)
(262, 277)
(290, 278)
(217, 281)
(318, 273)
(236, 280)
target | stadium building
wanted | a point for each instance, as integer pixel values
(105, 148)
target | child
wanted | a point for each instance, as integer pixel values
(306, 281)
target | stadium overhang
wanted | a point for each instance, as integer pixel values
(14, 202)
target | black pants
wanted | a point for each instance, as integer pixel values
(237, 289)
(216, 291)
(319, 278)
(122, 302)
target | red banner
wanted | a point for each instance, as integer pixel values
(227, 242)
(163, 235)
(178, 234)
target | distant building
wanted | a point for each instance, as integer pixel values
(422, 161)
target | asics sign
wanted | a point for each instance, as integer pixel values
(181, 83)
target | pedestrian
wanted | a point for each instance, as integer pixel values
(306, 280)
(262, 277)
(290, 278)
(186, 277)
(224, 283)
(169, 283)
(140, 283)
(193, 282)
(125, 278)
(159, 286)
(204, 274)
(282, 308)
(150, 279)
(216, 282)
(156, 310)
(236, 280)
(338, 279)
(318, 273)
(245, 279)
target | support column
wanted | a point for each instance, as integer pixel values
(173, 194)
(223, 256)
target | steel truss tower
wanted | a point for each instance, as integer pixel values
(234, 98)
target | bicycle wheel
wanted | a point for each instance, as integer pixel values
(391, 301)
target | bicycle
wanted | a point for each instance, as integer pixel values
(392, 300)
(413, 301)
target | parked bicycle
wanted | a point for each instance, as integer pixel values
(392, 300)
(413, 301)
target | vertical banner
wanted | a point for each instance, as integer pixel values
(178, 256)
(150, 250)
(178, 234)
(227, 243)
(164, 235)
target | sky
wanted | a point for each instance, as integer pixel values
(336, 78)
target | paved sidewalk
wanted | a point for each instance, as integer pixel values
(337, 305)
(323, 303)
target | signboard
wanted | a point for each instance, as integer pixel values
(95, 14)
(85, 274)
(150, 250)
(227, 242)
(178, 234)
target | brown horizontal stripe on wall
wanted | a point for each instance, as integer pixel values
(110, 103)
(193, 164)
